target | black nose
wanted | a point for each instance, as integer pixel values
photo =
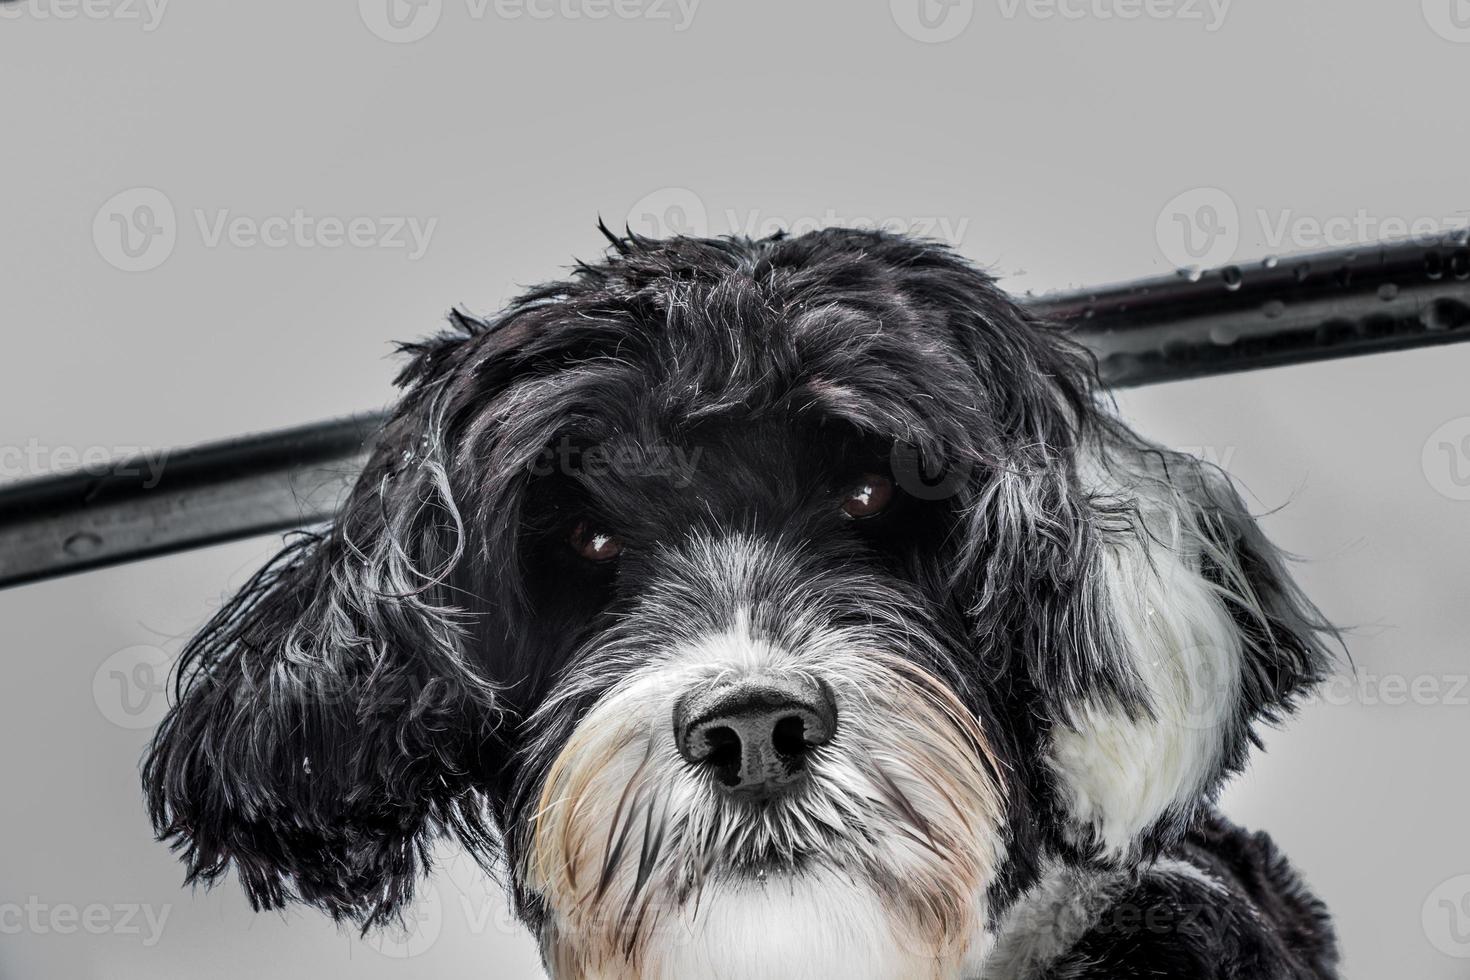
(754, 736)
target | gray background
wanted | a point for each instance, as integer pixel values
(1054, 149)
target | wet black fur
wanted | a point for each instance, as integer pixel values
(1256, 921)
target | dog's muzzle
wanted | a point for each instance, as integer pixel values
(754, 737)
(761, 748)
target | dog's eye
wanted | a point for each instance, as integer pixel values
(593, 543)
(868, 497)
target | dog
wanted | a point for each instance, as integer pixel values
(793, 607)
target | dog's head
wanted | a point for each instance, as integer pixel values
(763, 603)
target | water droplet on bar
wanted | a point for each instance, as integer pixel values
(1223, 335)
(82, 544)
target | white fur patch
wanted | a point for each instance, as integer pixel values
(1118, 774)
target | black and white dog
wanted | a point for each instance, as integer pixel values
(780, 608)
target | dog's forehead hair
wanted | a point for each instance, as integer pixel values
(707, 417)
(652, 376)
(837, 333)
(702, 409)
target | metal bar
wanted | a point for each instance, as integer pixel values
(1306, 308)
(206, 495)
(1365, 300)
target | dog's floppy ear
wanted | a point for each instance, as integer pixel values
(330, 720)
(1207, 631)
(1120, 597)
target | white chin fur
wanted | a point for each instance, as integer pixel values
(814, 926)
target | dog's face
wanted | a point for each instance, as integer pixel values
(775, 608)
(758, 712)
